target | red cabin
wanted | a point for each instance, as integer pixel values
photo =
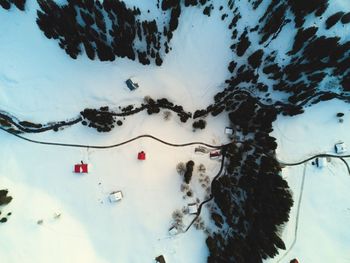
(81, 168)
(294, 261)
(141, 156)
(214, 154)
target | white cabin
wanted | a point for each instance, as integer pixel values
(340, 148)
(228, 131)
(115, 196)
(321, 162)
(192, 208)
(173, 231)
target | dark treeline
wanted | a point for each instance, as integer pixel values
(6, 4)
(109, 29)
(313, 58)
(253, 201)
(105, 31)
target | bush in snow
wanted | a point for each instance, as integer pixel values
(4, 198)
(178, 219)
(189, 171)
(200, 124)
(181, 168)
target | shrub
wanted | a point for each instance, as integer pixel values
(189, 171)
(4, 198)
(200, 124)
(181, 168)
(201, 168)
(167, 115)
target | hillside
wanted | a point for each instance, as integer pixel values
(275, 72)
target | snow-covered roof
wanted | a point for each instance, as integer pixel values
(173, 231)
(228, 131)
(192, 208)
(340, 147)
(115, 196)
(321, 162)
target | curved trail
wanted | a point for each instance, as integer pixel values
(304, 161)
(283, 163)
(211, 195)
(296, 218)
(341, 157)
(112, 145)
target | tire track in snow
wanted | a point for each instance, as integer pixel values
(112, 145)
(296, 217)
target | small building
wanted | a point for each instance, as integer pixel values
(215, 155)
(200, 150)
(192, 208)
(160, 259)
(81, 168)
(173, 231)
(294, 261)
(229, 131)
(131, 84)
(141, 156)
(115, 196)
(340, 148)
(321, 162)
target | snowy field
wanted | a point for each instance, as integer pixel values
(323, 233)
(40, 83)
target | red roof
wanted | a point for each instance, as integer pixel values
(141, 155)
(294, 261)
(81, 168)
(214, 153)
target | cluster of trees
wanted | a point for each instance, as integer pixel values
(189, 171)
(102, 120)
(154, 106)
(310, 57)
(6, 4)
(106, 30)
(302, 8)
(333, 19)
(200, 124)
(5, 199)
(252, 199)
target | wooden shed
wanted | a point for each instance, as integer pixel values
(131, 84)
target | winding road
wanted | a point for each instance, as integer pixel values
(222, 147)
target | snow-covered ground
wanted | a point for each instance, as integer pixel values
(323, 233)
(40, 83)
